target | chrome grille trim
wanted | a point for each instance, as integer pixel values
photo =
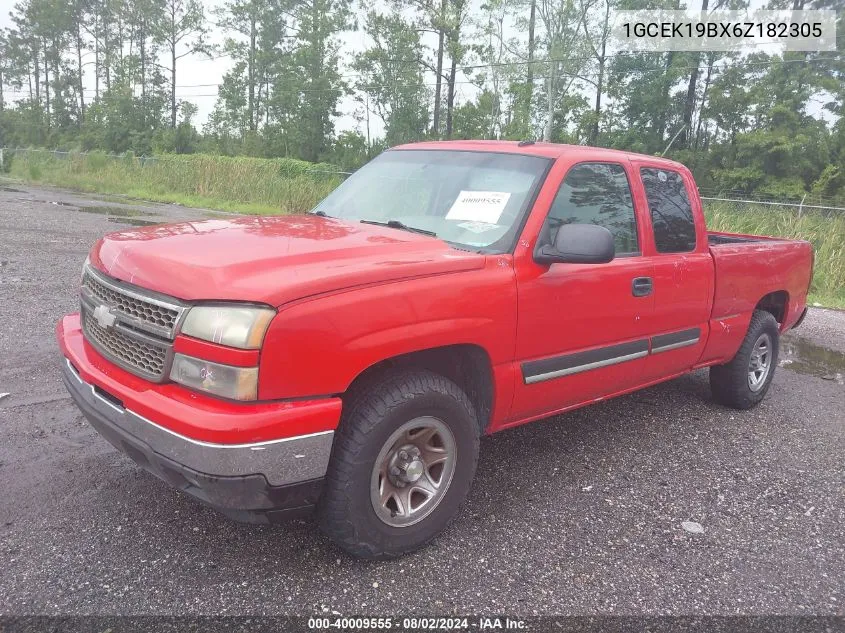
(144, 310)
(140, 340)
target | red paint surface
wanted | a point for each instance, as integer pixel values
(193, 414)
(271, 260)
(352, 295)
(198, 348)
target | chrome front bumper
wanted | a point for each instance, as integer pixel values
(242, 478)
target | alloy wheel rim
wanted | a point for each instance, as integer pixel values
(413, 471)
(760, 363)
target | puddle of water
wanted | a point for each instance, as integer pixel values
(121, 212)
(802, 356)
(133, 221)
(58, 203)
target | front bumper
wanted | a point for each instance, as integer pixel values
(259, 481)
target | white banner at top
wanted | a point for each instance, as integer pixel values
(657, 30)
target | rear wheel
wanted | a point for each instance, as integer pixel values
(743, 382)
(403, 460)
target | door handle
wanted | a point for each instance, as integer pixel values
(642, 286)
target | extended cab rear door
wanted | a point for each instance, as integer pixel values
(675, 240)
(583, 329)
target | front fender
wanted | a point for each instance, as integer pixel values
(319, 346)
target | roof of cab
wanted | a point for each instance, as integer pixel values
(538, 148)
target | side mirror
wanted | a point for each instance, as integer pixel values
(578, 244)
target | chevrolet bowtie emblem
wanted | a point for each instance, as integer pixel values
(104, 316)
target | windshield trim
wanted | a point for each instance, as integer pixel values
(411, 148)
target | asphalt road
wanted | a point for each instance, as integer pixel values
(580, 514)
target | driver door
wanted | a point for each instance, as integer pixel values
(583, 329)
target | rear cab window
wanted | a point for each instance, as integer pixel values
(671, 212)
(596, 193)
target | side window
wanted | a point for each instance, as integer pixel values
(596, 193)
(671, 212)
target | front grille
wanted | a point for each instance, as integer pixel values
(143, 310)
(147, 360)
(132, 327)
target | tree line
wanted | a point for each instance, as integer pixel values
(107, 74)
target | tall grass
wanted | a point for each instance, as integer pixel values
(825, 232)
(255, 185)
(243, 184)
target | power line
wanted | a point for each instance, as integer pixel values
(366, 87)
(609, 56)
(291, 91)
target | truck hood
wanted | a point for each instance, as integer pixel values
(271, 260)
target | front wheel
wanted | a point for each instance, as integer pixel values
(403, 460)
(743, 382)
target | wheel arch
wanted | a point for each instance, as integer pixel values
(468, 365)
(775, 303)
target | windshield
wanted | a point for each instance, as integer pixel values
(473, 200)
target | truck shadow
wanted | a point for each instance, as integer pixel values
(577, 448)
(654, 453)
(566, 452)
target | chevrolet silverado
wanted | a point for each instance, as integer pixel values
(347, 360)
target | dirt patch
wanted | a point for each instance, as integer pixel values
(120, 212)
(133, 221)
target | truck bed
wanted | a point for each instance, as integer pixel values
(749, 267)
(717, 239)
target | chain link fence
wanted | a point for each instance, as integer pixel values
(8, 153)
(807, 202)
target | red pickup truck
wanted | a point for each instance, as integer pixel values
(349, 359)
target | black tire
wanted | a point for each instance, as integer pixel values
(346, 512)
(730, 383)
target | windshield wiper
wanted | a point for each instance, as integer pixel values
(396, 224)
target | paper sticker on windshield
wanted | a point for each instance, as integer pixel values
(478, 227)
(479, 206)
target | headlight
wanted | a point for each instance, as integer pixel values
(235, 326)
(235, 383)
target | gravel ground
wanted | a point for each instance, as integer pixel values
(826, 327)
(580, 514)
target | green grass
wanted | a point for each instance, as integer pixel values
(272, 186)
(826, 233)
(243, 185)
